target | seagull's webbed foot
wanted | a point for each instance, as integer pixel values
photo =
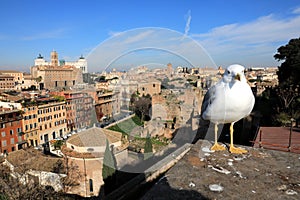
(237, 150)
(217, 147)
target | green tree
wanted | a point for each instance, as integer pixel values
(39, 79)
(142, 107)
(58, 143)
(287, 92)
(289, 70)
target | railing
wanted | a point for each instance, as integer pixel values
(283, 146)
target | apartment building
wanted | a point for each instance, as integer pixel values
(51, 119)
(107, 104)
(6, 82)
(18, 76)
(12, 137)
(79, 108)
(30, 125)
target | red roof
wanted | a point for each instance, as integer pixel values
(278, 138)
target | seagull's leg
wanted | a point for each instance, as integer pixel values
(233, 149)
(216, 146)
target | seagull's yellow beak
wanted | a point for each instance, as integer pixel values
(237, 77)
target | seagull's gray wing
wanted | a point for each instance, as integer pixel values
(208, 98)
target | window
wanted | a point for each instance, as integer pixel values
(3, 134)
(12, 140)
(26, 127)
(4, 143)
(91, 185)
(11, 132)
(19, 130)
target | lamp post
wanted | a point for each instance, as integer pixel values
(290, 137)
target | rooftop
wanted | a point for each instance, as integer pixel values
(10, 71)
(259, 174)
(32, 159)
(94, 137)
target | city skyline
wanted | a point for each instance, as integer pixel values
(245, 32)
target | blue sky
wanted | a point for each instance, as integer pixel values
(245, 32)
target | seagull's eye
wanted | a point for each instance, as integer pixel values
(228, 72)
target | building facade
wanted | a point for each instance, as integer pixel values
(56, 77)
(79, 108)
(86, 150)
(107, 104)
(12, 137)
(7, 82)
(81, 63)
(18, 76)
(51, 120)
(30, 125)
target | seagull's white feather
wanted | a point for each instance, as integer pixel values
(230, 100)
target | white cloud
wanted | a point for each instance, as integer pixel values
(146, 41)
(114, 33)
(253, 40)
(296, 11)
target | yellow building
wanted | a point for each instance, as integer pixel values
(149, 87)
(51, 119)
(18, 76)
(30, 125)
(53, 76)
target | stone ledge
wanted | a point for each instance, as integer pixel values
(259, 174)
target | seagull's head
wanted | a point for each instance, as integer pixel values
(234, 73)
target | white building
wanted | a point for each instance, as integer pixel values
(81, 63)
(40, 61)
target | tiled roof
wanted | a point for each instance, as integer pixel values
(94, 137)
(9, 71)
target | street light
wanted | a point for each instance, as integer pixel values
(290, 138)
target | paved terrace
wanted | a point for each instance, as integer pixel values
(260, 174)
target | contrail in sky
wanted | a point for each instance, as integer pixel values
(188, 22)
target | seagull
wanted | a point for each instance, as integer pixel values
(228, 101)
